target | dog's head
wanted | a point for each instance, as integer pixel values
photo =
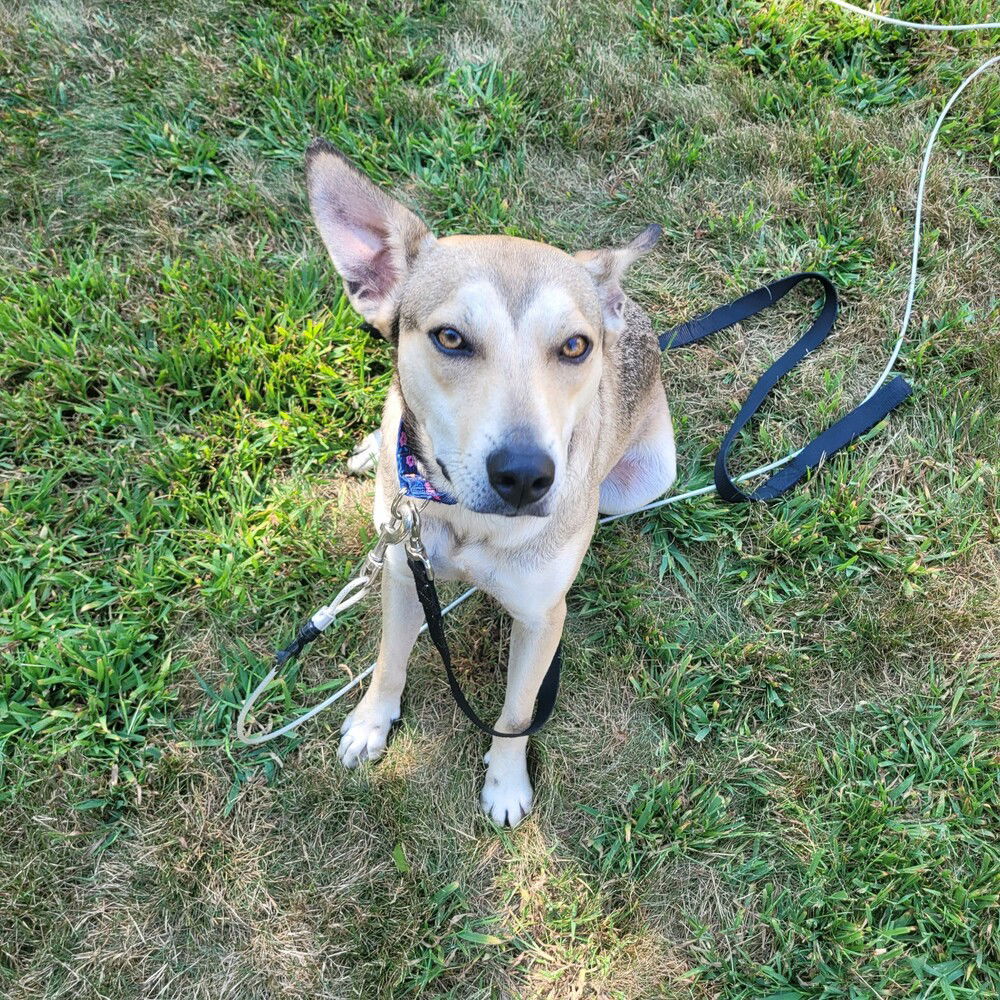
(500, 341)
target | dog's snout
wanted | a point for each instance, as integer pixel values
(520, 474)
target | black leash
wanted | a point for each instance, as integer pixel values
(847, 429)
(547, 692)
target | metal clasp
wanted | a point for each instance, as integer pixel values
(394, 530)
(414, 543)
(404, 526)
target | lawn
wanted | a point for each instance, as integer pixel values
(774, 771)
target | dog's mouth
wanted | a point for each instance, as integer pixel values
(481, 498)
(539, 509)
(477, 496)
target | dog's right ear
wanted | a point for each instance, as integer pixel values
(372, 239)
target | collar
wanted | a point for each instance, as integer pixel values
(412, 481)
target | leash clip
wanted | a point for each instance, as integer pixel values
(413, 543)
(392, 532)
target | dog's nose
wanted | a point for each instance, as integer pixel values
(521, 474)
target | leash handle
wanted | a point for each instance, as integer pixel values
(839, 434)
(547, 691)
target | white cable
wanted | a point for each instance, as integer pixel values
(915, 25)
(918, 218)
(907, 311)
(893, 356)
(253, 741)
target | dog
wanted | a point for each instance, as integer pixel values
(528, 384)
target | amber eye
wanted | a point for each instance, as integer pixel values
(448, 339)
(576, 348)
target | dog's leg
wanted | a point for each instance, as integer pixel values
(366, 729)
(507, 793)
(649, 466)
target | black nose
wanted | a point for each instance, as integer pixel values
(521, 474)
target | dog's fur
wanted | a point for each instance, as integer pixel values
(604, 422)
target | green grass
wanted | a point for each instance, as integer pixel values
(775, 767)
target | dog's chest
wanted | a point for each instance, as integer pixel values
(514, 560)
(454, 555)
(481, 552)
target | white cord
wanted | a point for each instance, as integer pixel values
(894, 355)
(316, 709)
(907, 312)
(915, 25)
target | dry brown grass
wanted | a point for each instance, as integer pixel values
(803, 661)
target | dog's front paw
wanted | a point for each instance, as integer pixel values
(364, 733)
(507, 793)
(365, 455)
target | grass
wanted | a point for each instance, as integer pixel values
(774, 769)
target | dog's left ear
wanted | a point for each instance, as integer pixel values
(607, 268)
(372, 238)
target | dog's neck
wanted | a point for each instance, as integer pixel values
(411, 464)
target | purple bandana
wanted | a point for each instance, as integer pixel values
(411, 481)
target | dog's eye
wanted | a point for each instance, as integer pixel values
(449, 340)
(576, 348)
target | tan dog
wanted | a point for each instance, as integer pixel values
(529, 387)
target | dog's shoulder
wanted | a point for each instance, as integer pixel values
(635, 362)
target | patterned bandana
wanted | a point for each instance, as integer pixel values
(411, 480)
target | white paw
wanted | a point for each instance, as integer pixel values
(364, 733)
(507, 793)
(365, 456)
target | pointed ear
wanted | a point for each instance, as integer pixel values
(372, 239)
(607, 267)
